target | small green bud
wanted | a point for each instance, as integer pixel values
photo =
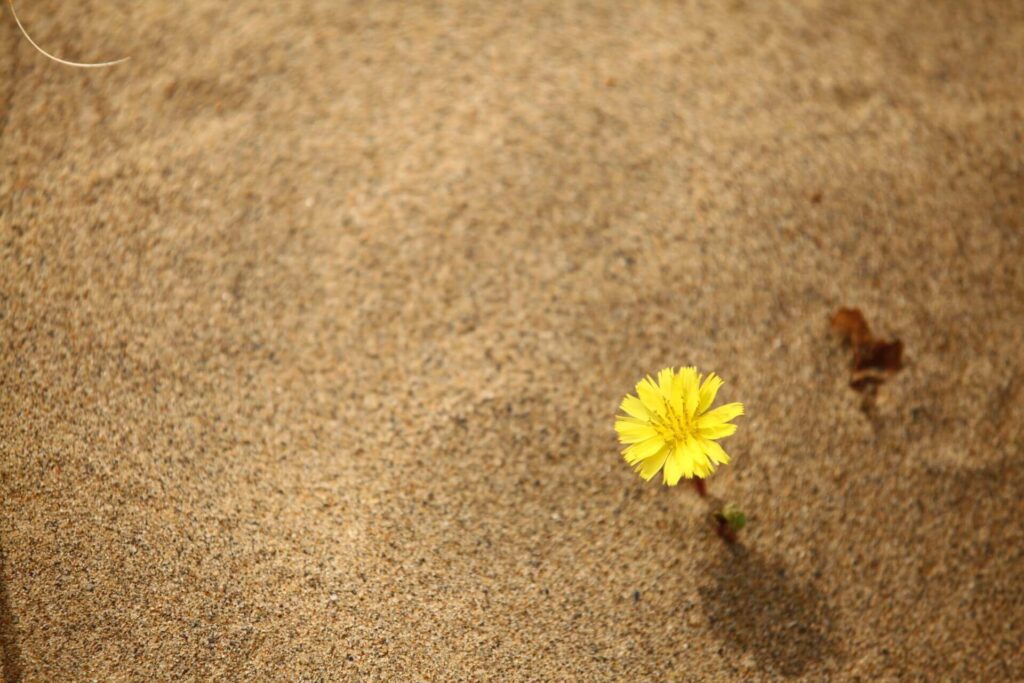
(733, 516)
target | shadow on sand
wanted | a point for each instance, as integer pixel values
(10, 665)
(755, 606)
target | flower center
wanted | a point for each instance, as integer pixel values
(673, 427)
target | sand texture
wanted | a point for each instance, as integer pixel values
(315, 316)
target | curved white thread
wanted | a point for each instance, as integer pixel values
(80, 65)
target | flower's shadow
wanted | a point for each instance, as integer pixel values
(755, 606)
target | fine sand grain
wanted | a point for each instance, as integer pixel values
(314, 318)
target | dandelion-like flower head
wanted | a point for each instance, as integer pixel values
(669, 424)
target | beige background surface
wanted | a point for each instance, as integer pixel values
(314, 317)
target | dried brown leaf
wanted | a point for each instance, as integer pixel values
(874, 360)
(850, 324)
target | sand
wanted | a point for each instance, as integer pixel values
(314, 318)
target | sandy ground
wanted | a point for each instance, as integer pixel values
(314, 318)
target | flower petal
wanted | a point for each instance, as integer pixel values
(708, 391)
(691, 395)
(719, 415)
(718, 431)
(714, 451)
(701, 465)
(644, 449)
(675, 466)
(652, 399)
(706, 470)
(649, 467)
(631, 430)
(665, 377)
(634, 407)
(678, 391)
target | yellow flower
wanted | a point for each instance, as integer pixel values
(668, 424)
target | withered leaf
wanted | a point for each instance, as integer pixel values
(851, 325)
(874, 360)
